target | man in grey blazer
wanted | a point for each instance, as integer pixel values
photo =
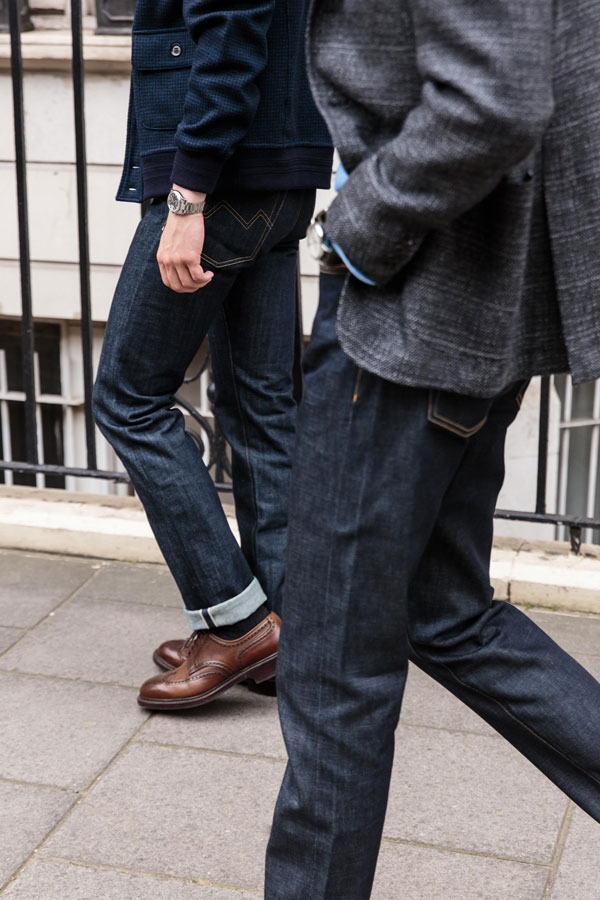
(470, 223)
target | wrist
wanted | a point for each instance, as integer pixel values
(190, 196)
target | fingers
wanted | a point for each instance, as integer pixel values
(199, 276)
(184, 278)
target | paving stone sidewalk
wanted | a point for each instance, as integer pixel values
(100, 800)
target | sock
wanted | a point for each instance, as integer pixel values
(239, 629)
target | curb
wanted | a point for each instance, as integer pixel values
(74, 524)
(547, 574)
(527, 573)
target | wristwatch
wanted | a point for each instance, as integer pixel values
(320, 248)
(182, 207)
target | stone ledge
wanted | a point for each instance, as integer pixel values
(51, 51)
(527, 573)
(76, 524)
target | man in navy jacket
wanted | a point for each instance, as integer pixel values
(224, 139)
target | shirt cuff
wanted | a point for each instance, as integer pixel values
(352, 269)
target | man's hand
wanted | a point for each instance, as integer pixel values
(181, 248)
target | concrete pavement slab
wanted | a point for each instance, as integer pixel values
(59, 732)
(591, 663)
(423, 873)
(32, 585)
(28, 814)
(472, 792)
(428, 703)
(134, 584)
(237, 722)
(8, 636)
(242, 722)
(102, 641)
(578, 875)
(543, 577)
(177, 812)
(577, 634)
(47, 880)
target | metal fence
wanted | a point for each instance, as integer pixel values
(210, 439)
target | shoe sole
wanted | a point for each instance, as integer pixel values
(257, 673)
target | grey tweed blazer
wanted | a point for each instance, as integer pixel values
(471, 131)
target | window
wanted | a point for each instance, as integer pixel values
(579, 485)
(12, 401)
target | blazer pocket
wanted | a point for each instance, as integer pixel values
(161, 65)
(461, 415)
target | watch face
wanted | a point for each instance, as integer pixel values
(314, 239)
(173, 201)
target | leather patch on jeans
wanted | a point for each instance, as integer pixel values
(461, 415)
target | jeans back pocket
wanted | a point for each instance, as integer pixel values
(237, 226)
(461, 415)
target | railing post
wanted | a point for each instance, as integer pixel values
(542, 468)
(82, 222)
(16, 64)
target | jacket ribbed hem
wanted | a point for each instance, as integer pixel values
(196, 171)
(252, 169)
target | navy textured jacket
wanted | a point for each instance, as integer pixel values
(220, 99)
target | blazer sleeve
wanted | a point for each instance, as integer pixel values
(222, 97)
(486, 99)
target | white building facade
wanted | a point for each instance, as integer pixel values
(574, 438)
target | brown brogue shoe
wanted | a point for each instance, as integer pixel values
(171, 654)
(213, 665)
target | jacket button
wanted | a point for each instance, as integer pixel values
(176, 50)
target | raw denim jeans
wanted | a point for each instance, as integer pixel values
(153, 333)
(390, 535)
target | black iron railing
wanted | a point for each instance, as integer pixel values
(210, 437)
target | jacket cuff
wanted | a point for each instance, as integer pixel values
(197, 171)
(360, 223)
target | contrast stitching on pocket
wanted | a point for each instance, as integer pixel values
(245, 223)
(436, 418)
(269, 219)
(357, 385)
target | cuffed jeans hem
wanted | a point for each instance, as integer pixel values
(230, 611)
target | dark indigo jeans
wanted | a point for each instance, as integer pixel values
(153, 333)
(390, 535)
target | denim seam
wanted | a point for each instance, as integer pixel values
(298, 211)
(245, 432)
(511, 715)
(357, 384)
(349, 445)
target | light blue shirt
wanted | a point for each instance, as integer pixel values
(341, 177)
